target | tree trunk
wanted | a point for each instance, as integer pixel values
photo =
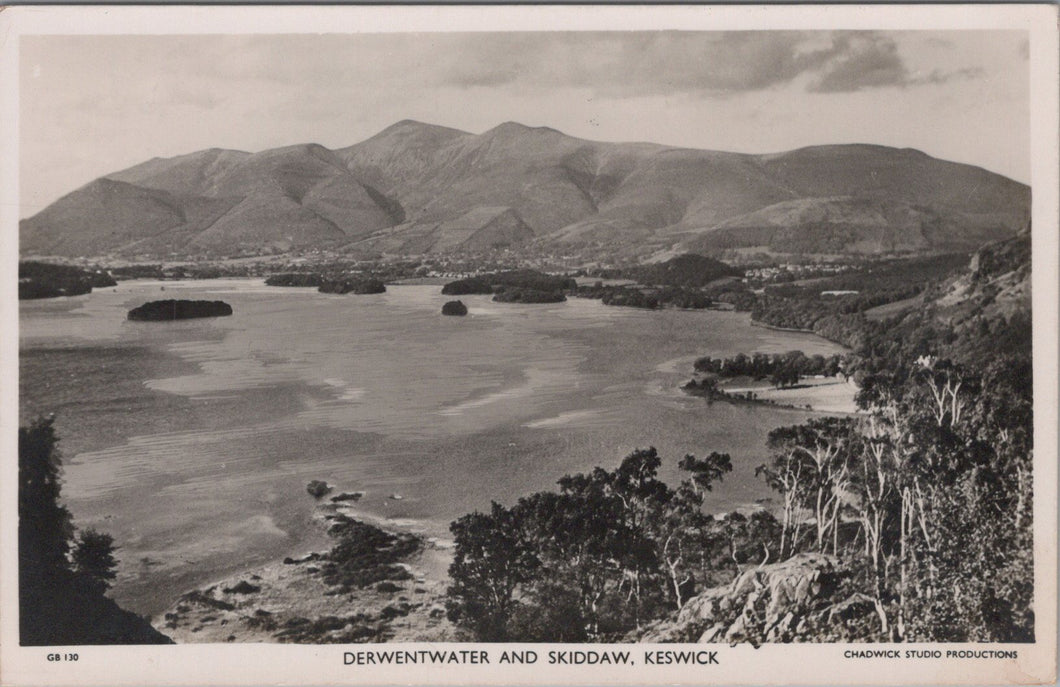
(903, 528)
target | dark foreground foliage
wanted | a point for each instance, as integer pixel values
(608, 552)
(63, 574)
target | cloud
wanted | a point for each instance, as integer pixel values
(861, 61)
(727, 62)
(642, 64)
(632, 64)
(203, 70)
(867, 60)
(937, 77)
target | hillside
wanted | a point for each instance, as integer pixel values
(416, 188)
(996, 284)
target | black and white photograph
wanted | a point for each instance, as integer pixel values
(527, 349)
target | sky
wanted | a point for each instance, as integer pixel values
(92, 105)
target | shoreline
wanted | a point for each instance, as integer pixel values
(827, 397)
(317, 598)
(793, 330)
(228, 466)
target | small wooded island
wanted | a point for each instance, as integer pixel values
(454, 308)
(514, 286)
(516, 294)
(323, 284)
(294, 279)
(161, 311)
(355, 286)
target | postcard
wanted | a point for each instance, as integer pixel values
(529, 345)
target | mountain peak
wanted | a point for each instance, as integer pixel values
(517, 129)
(412, 126)
(436, 188)
(831, 150)
(309, 149)
(411, 123)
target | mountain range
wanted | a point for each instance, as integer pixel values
(416, 188)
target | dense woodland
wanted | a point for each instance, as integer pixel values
(651, 299)
(842, 318)
(688, 270)
(923, 502)
(45, 280)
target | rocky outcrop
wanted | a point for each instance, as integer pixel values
(371, 586)
(800, 599)
(348, 496)
(997, 284)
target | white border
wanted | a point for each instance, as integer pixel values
(788, 664)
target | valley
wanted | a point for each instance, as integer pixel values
(801, 292)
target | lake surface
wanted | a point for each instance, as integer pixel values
(191, 442)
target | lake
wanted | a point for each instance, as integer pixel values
(191, 442)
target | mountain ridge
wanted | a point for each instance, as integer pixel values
(417, 188)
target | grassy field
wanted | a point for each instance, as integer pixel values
(823, 394)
